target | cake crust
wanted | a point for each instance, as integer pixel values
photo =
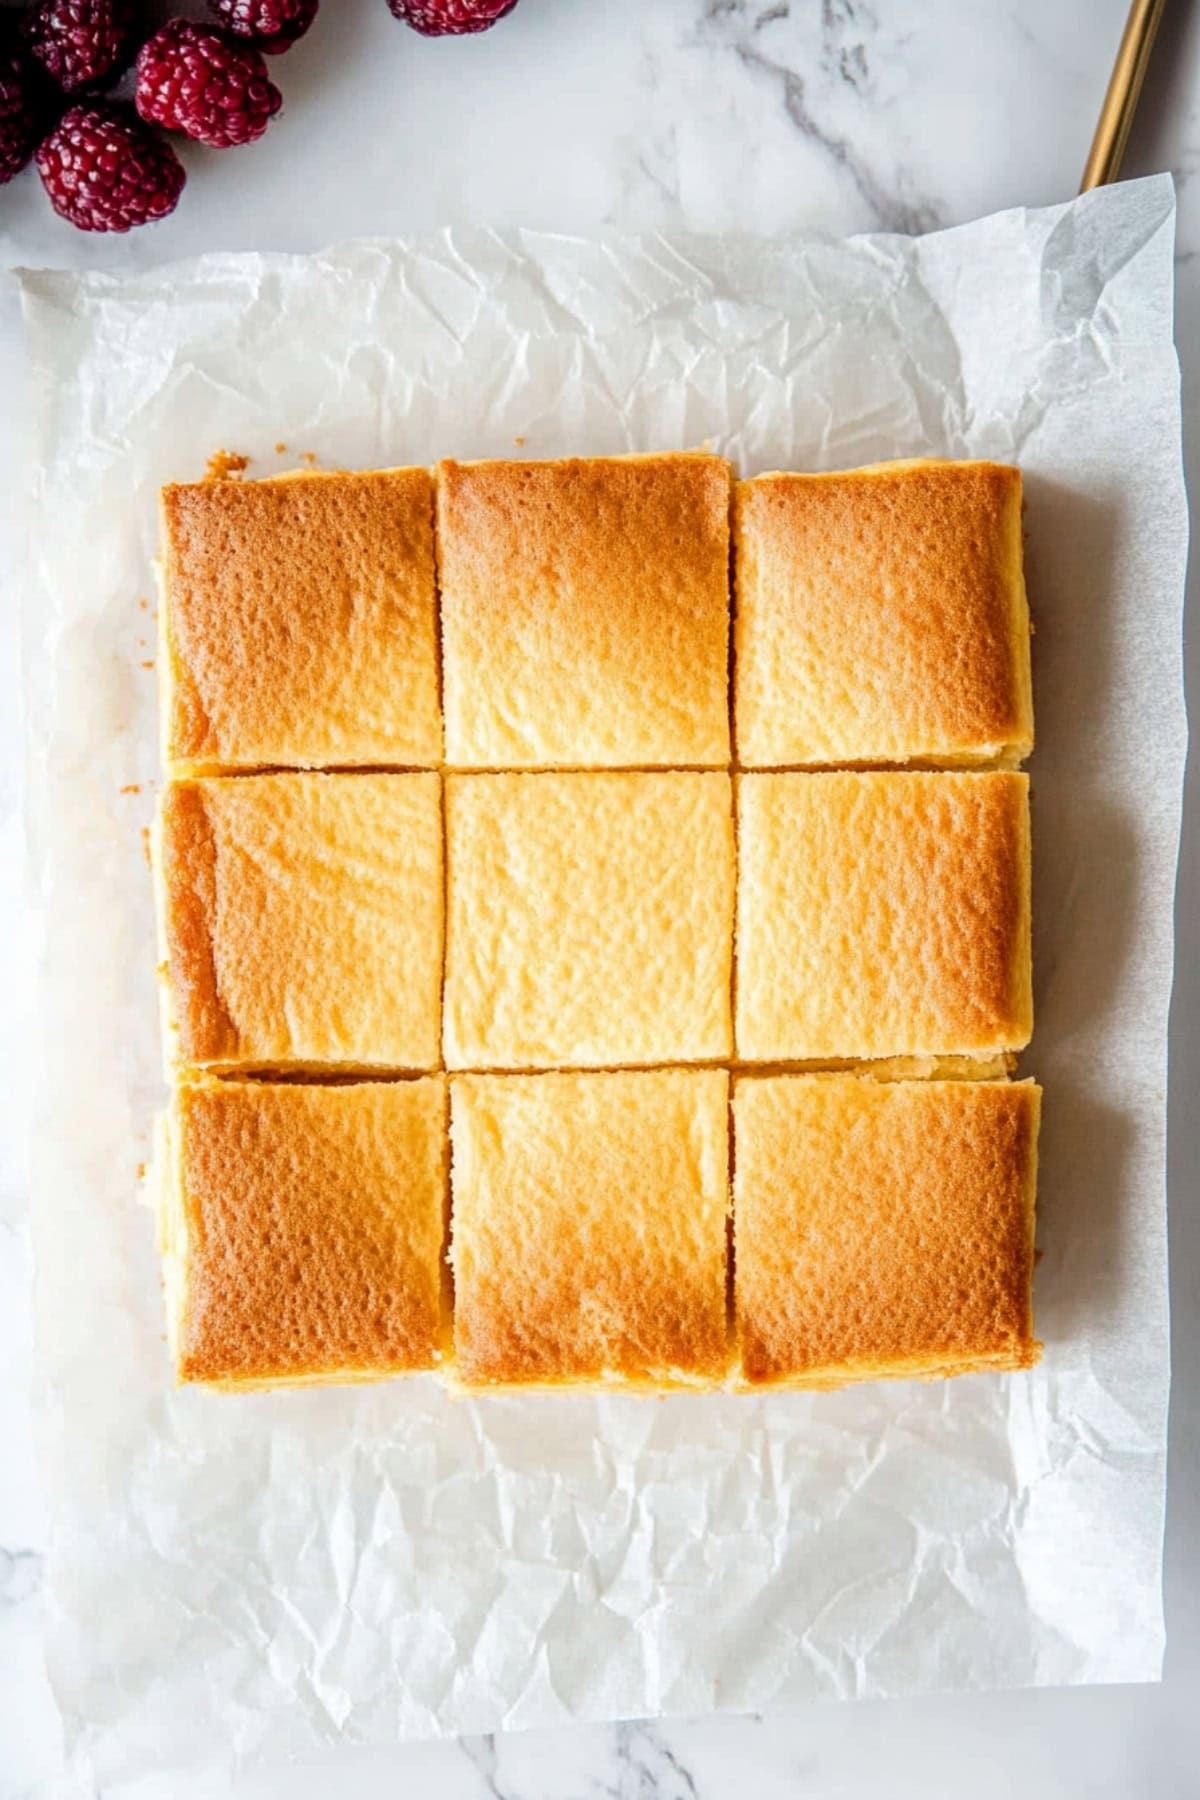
(301, 921)
(882, 617)
(882, 1228)
(589, 920)
(882, 915)
(589, 1235)
(585, 611)
(299, 623)
(307, 1225)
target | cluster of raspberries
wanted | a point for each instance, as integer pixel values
(101, 164)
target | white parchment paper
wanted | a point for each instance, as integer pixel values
(276, 1570)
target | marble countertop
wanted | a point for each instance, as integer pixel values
(764, 115)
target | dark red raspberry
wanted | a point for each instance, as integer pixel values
(82, 43)
(193, 78)
(449, 18)
(24, 113)
(105, 172)
(272, 25)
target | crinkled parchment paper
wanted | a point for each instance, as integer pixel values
(364, 1565)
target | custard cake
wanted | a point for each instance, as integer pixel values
(589, 1228)
(882, 1229)
(298, 623)
(589, 920)
(882, 618)
(303, 1229)
(301, 921)
(585, 611)
(882, 915)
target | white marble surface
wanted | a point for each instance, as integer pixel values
(709, 114)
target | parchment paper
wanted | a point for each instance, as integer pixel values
(279, 1570)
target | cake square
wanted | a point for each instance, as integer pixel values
(298, 623)
(589, 920)
(303, 1229)
(881, 617)
(882, 915)
(301, 921)
(589, 1228)
(882, 1229)
(585, 611)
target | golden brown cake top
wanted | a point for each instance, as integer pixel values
(585, 611)
(881, 616)
(589, 919)
(589, 1234)
(299, 622)
(301, 919)
(313, 1223)
(882, 915)
(882, 1228)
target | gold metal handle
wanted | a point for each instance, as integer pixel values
(1124, 91)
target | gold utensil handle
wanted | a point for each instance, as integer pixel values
(1124, 90)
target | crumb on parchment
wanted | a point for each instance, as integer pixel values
(223, 464)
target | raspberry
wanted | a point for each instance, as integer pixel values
(448, 18)
(193, 78)
(105, 172)
(81, 43)
(272, 25)
(22, 110)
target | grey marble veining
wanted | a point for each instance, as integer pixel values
(828, 92)
(762, 115)
(624, 1762)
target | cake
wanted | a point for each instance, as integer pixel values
(590, 1222)
(298, 623)
(303, 1230)
(882, 915)
(301, 921)
(585, 611)
(882, 618)
(651, 1027)
(882, 1229)
(589, 920)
